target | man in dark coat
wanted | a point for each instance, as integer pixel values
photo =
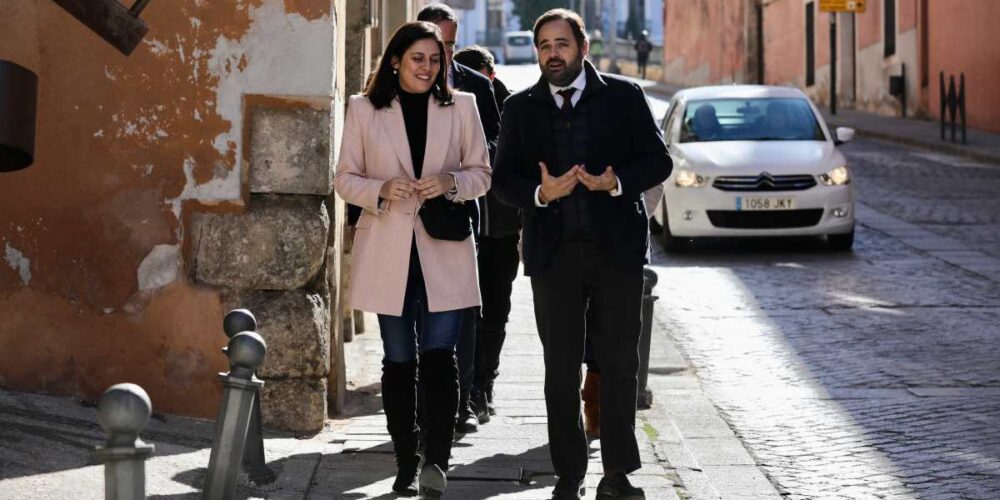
(498, 260)
(467, 80)
(576, 152)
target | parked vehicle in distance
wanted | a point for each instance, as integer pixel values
(519, 47)
(753, 160)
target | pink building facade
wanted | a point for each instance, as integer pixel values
(787, 42)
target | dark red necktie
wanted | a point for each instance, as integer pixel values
(567, 95)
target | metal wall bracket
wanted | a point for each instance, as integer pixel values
(18, 108)
(116, 24)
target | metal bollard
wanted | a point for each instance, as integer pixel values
(246, 352)
(649, 279)
(123, 412)
(254, 461)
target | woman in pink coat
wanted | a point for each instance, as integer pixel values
(409, 140)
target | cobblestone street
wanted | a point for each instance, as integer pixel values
(872, 374)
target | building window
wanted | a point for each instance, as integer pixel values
(810, 45)
(890, 27)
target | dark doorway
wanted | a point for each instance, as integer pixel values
(810, 44)
(848, 66)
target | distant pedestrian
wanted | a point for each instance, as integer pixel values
(411, 144)
(576, 152)
(642, 49)
(596, 48)
(498, 260)
(466, 79)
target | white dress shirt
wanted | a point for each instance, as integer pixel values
(579, 84)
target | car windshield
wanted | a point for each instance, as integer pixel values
(761, 119)
(519, 40)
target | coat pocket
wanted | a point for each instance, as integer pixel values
(366, 220)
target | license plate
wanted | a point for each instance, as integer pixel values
(776, 203)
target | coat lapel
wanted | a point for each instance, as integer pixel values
(395, 128)
(439, 120)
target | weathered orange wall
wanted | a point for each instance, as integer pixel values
(704, 41)
(906, 15)
(122, 144)
(784, 43)
(963, 38)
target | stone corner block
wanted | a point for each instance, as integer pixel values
(278, 244)
(296, 326)
(290, 150)
(294, 404)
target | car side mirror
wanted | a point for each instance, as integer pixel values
(844, 135)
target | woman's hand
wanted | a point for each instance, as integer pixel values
(434, 186)
(399, 188)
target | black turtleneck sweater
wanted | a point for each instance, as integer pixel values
(415, 117)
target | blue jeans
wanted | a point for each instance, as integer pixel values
(417, 328)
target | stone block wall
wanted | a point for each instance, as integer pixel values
(273, 258)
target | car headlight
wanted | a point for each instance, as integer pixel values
(836, 177)
(686, 178)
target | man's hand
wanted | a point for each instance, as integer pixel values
(554, 188)
(604, 182)
(434, 186)
(399, 188)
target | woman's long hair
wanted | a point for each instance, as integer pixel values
(384, 85)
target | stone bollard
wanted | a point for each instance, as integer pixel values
(254, 461)
(649, 279)
(246, 352)
(123, 412)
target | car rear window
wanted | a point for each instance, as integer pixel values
(519, 40)
(759, 119)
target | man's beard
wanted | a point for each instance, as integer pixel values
(565, 77)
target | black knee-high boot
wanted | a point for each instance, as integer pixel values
(399, 398)
(439, 376)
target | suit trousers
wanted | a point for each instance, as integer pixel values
(580, 272)
(498, 260)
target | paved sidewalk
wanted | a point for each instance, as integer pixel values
(688, 451)
(508, 458)
(982, 146)
(926, 134)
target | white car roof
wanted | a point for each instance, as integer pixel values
(739, 92)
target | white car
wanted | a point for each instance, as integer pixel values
(519, 47)
(753, 161)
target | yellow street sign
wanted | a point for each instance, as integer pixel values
(857, 6)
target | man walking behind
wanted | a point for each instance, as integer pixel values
(498, 259)
(467, 80)
(576, 152)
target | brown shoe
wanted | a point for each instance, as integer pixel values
(591, 396)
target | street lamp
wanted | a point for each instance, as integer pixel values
(18, 107)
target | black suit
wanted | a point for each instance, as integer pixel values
(623, 135)
(601, 266)
(469, 80)
(466, 79)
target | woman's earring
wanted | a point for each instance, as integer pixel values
(395, 71)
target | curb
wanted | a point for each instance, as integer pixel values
(666, 90)
(939, 147)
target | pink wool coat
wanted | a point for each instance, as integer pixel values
(375, 149)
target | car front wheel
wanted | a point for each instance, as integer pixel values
(671, 243)
(841, 242)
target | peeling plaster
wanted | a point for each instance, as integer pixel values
(215, 190)
(157, 47)
(280, 53)
(18, 262)
(160, 268)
